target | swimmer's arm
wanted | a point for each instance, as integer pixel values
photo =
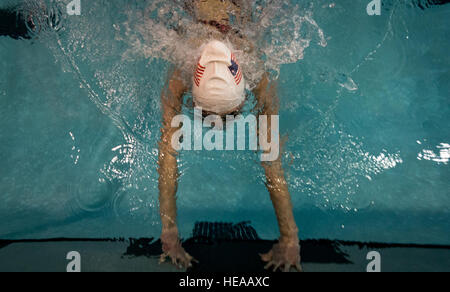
(171, 100)
(275, 180)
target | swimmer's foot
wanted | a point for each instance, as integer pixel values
(283, 256)
(173, 249)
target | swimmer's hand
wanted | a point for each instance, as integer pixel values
(172, 248)
(283, 256)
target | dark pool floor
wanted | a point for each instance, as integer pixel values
(116, 256)
(219, 247)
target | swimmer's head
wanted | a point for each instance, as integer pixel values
(218, 83)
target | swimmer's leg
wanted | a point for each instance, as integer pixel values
(171, 100)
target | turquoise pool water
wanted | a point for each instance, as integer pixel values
(364, 109)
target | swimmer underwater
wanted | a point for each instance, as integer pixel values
(218, 87)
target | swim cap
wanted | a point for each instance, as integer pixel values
(219, 85)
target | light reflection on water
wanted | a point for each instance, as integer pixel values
(442, 154)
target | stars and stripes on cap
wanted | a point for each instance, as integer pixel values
(235, 69)
(199, 73)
